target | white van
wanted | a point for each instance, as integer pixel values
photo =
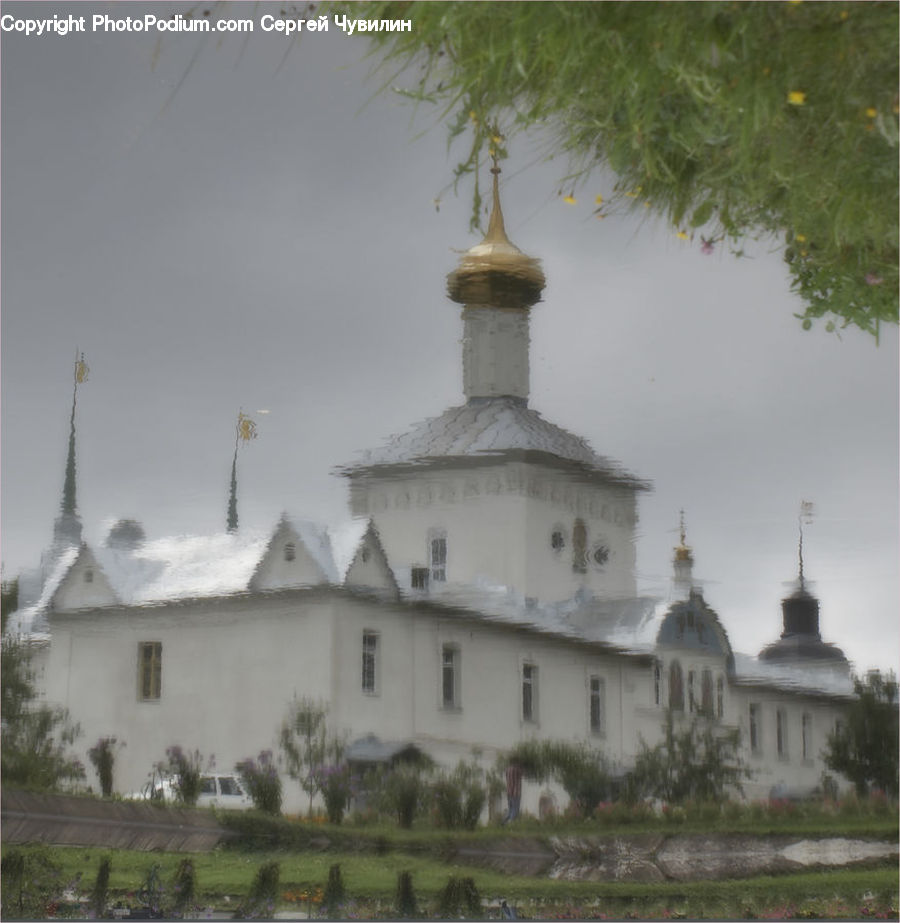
(223, 792)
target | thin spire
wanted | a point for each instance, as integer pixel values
(68, 527)
(805, 515)
(496, 231)
(244, 432)
(682, 550)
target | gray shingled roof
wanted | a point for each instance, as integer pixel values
(484, 428)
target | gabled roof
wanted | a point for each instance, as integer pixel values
(369, 568)
(486, 428)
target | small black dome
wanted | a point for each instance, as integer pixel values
(126, 535)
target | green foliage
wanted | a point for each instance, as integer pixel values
(150, 893)
(582, 771)
(260, 778)
(698, 763)
(399, 790)
(305, 743)
(185, 767)
(864, 748)
(734, 119)
(100, 892)
(103, 758)
(34, 746)
(459, 796)
(31, 883)
(459, 898)
(335, 893)
(260, 902)
(405, 902)
(184, 888)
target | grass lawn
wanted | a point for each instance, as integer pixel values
(224, 877)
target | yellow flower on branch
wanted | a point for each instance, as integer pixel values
(682, 235)
(871, 112)
(598, 200)
(797, 98)
(800, 238)
(569, 199)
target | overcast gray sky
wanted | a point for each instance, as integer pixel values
(253, 235)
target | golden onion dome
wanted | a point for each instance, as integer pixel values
(495, 272)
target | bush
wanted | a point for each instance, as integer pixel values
(103, 758)
(184, 888)
(697, 763)
(260, 777)
(405, 901)
(335, 894)
(459, 797)
(151, 892)
(401, 792)
(260, 902)
(29, 884)
(100, 892)
(334, 784)
(459, 898)
(186, 769)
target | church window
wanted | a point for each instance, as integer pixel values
(720, 697)
(365, 554)
(691, 693)
(529, 692)
(598, 705)
(450, 676)
(558, 540)
(419, 578)
(437, 555)
(600, 555)
(370, 662)
(806, 735)
(89, 575)
(290, 551)
(579, 547)
(676, 687)
(781, 734)
(706, 692)
(657, 683)
(149, 670)
(755, 720)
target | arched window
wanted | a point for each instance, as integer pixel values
(676, 687)
(706, 693)
(579, 547)
(720, 697)
(290, 551)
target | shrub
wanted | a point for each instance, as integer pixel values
(334, 784)
(405, 901)
(184, 887)
(335, 893)
(459, 898)
(260, 902)
(151, 891)
(260, 777)
(697, 763)
(103, 758)
(459, 797)
(186, 769)
(30, 884)
(100, 892)
(401, 791)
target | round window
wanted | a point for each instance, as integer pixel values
(600, 555)
(557, 540)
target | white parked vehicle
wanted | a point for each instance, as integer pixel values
(216, 791)
(223, 792)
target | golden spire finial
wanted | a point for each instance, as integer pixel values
(496, 231)
(683, 551)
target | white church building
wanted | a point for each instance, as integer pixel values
(489, 597)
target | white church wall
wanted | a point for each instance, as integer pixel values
(229, 669)
(499, 522)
